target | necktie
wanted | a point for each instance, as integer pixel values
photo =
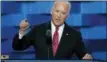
(55, 41)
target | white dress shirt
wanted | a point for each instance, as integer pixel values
(60, 31)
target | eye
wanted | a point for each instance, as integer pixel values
(63, 13)
(57, 10)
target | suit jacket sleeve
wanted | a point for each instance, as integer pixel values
(24, 43)
(80, 48)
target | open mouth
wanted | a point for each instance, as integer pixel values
(58, 19)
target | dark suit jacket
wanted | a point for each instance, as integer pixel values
(71, 42)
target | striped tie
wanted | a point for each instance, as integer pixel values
(55, 41)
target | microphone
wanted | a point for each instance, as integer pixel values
(48, 35)
(48, 39)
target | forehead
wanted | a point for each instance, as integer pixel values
(61, 5)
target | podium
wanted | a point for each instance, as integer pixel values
(51, 61)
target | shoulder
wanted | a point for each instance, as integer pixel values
(73, 30)
(76, 34)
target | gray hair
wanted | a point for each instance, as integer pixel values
(66, 2)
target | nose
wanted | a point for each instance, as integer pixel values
(59, 15)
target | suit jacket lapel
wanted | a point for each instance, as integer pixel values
(63, 40)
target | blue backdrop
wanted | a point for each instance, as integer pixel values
(87, 17)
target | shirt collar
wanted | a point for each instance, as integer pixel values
(60, 27)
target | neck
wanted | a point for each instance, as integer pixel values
(57, 25)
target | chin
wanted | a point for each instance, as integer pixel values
(58, 24)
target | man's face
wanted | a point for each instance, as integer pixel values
(59, 13)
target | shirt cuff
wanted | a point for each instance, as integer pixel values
(20, 35)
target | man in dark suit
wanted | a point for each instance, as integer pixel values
(54, 39)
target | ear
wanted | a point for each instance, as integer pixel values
(51, 11)
(66, 16)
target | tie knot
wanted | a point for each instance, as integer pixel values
(57, 28)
